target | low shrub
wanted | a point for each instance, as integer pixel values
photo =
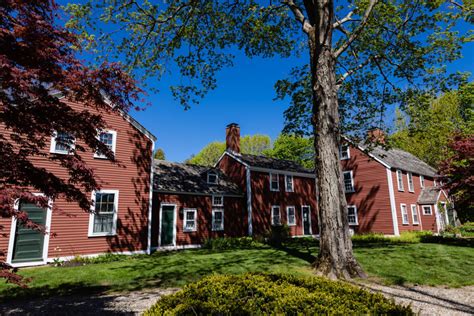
(273, 294)
(277, 235)
(105, 258)
(408, 237)
(226, 243)
(467, 229)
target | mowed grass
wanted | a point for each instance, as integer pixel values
(429, 264)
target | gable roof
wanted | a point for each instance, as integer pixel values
(183, 178)
(429, 195)
(400, 159)
(273, 164)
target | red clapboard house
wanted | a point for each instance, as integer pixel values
(120, 221)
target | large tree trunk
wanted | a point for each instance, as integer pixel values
(336, 259)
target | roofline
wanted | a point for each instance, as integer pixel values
(197, 193)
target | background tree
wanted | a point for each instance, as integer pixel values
(428, 124)
(37, 61)
(249, 144)
(363, 55)
(294, 148)
(159, 154)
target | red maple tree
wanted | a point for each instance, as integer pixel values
(37, 62)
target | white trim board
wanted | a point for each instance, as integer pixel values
(393, 205)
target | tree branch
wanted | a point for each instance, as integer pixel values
(358, 30)
(338, 23)
(298, 15)
(351, 71)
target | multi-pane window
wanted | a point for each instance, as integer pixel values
(422, 181)
(344, 152)
(104, 216)
(400, 180)
(410, 182)
(274, 182)
(348, 181)
(217, 200)
(109, 139)
(189, 223)
(62, 143)
(352, 215)
(212, 177)
(405, 219)
(276, 218)
(291, 214)
(427, 210)
(414, 214)
(217, 220)
(288, 183)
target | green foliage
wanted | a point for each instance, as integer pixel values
(467, 229)
(159, 154)
(277, 235)
(273, 294)
(405, 237)
(295, 148)
(105, 258)
(249, 144)
(227, 243)
(428, 124)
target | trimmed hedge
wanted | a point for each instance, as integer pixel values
(262, 294)
(226, 243)
(408, 237)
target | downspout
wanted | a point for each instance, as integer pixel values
(150, 204)
(249, 201)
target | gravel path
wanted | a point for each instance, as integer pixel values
(425, 300)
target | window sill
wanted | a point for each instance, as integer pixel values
(405, 224)
(189, 230)
(102, 235)
(217, 230)
(351, 224)
(427, 214)
(290, 225)
(275, 190)
(416, 224)
(349, 192)
(101, 157)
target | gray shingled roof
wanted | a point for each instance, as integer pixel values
(273, 163)
(400, 159)
(429, 195)
(178, 177)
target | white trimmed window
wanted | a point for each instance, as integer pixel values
(109, 139)
(217, 219)
(400, 180)
(414, 214)
(405, 219)
(352, 215)
(276, 218)
(217, 200)
(62, 143)
(422, 181)
(291, 215)
(103, 218)
(189, 222)
(274, 182)
(344, 152)
(212, 177)
(411, 187)
(348, 181)
(427, 210)
(289, 183)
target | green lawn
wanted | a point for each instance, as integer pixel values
(431, 264)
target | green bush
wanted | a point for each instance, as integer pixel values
(277, 235)
(467, 229)
(273, 294)
(105, 258)
(408, 237)
(226, 243)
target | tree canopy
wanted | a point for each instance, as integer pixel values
(294, 148)
(159, 154)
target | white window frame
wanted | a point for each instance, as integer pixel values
(214, 173)
(287, 176)
(422, 181)
(278, 182)
(53, 150)
(403, 206)
(400, 185)
(185, 213)
(114, 143)
(92, 214)
(348, 152)
(352, 181)
(411, 185)
(214, 200)
(414, 214)
(215, 210)
(356, 215)
(288, 215)
(427, 206)
(279, 215)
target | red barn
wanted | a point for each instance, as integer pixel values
(120, 222)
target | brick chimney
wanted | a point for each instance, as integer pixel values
(376, 135)
(232, 138)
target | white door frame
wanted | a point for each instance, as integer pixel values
(309, 217)
(174, 225)
(11, 242)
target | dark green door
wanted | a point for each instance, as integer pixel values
(306, 221)
(167, 225)
(29, 243)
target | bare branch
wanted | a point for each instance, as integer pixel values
(358, 30)
(348, 17)
(351, 71)
(298, 15)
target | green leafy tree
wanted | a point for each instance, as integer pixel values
(295, 148)
(159, 154)
(363, 55)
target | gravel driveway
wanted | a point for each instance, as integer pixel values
(425, 300)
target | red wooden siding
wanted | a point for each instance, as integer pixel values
(131, 177)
